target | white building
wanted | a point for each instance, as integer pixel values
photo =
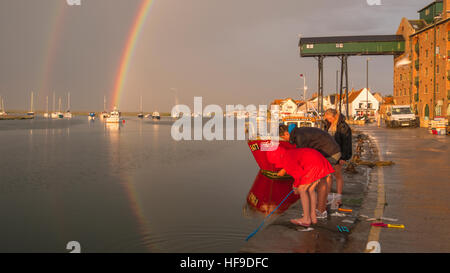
(288, 106)
(313, 104)
(360, 102)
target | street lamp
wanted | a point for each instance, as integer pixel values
(367, 88)
(305, 88)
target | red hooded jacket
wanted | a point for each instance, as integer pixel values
(305, 165)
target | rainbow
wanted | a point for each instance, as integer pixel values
(129, 50)
(53, 39)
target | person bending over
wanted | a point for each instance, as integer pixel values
(315, 138)
(308, 167)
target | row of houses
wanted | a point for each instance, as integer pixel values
(360, 102)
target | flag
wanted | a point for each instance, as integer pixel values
(301, 75)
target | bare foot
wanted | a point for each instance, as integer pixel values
(301, 222)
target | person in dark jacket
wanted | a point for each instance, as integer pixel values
(315, 138)
(336, 126)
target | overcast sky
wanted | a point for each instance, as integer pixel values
(227, 51)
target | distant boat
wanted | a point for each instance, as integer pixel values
(46, 114)
(2, 111)
(68, 114)
(91, 116)
(114, 116)
(155, 115)
(148, 116)
(104, 114)
(177, 115)
(31, 113)
(140, 115)
(54, 114)
(59, 113)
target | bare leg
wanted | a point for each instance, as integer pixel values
(322, 189)
(339, 182)
(313, 200)
(339, 179)
(329, 183)
(304, 196)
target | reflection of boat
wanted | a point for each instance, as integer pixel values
(114, 116)
(156, 115)
(112, 127)
(267, 193)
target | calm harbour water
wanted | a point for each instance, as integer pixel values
(127, 188)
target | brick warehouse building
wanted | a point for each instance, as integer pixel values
(422, 73)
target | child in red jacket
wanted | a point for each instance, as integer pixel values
(308, 167)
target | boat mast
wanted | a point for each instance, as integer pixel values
(59, 105)
(141, 104)
(104, 103)
(54, 102)
(68, 101)
(46, 104)
(31, 110)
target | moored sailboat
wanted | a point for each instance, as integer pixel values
(31, 113)
(68, 114)
(155, 115)
(114, 116)
(2, 110)
(141, 114)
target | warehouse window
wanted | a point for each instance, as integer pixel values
(438, 110)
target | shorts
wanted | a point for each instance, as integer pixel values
(334, 159)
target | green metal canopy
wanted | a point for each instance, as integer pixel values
(352, 45)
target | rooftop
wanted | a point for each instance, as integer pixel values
(429, 5)
(348, 39)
